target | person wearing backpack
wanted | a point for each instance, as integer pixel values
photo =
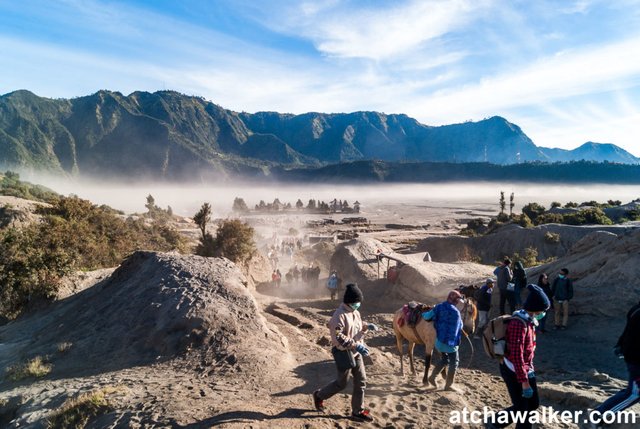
(483, 299)
(448, 325)
(627, 348)
(562, 290)
(504, 276)
(347, 332)
(516, 367)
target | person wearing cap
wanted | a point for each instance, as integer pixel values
(448, 325)
(562, 290)
(347, 332)
(484, 304)
(516, 367)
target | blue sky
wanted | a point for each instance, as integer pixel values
(566, 72)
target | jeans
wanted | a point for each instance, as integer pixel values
(483, 316)
(519, 403)
(450, 360)
(517, 296)
(626, 397)
(510, 297)
(338, 385)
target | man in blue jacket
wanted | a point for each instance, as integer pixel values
(448, 325)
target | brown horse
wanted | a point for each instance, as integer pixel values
(424, 333)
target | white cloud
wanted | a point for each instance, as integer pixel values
(338, 30)
(588, 71)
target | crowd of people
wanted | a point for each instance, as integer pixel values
(528, 317)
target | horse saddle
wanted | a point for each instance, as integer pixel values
(412, 313)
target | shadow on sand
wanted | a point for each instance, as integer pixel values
(250, 417)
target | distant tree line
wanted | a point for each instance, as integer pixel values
(313, 206)
(572, 213)
(425, 172)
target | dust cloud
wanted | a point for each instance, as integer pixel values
(185, 200)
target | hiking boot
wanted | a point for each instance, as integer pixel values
(432, 380)
(364, 416)
(451, 375)
(563, 328)
(317, 402)
(556, 328)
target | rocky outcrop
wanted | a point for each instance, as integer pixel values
(418, 279)
(550, 240)
(154, 307)
(605, 268)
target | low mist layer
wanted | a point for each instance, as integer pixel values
(186, 199)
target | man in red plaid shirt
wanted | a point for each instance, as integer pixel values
(517, 366)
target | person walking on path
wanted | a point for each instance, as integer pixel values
(516, 367)
(627, 348)
(448, 325)
(562, 290)
(347, 331)
(332, 285)
(543, 283)
(519, 283)
(504, 276)
(483, 299)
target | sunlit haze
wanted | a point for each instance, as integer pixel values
(185, 200)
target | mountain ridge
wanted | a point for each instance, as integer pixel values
(173, 136)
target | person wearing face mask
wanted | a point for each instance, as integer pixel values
(448, 325)
(347, 332)
(562, 290)
(517, 366)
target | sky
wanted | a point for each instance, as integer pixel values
(566, 72)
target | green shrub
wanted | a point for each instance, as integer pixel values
(555, 204)
(529, 259)
(571, 205)
(592, 216)
(473, 228)
(74, 234)
(633, 214)
(77, 412)
(11, 185)
(551, 237)
(549, 218)
(234, 240)
(533, 210)
(34, 368)
(502, 217)
(524, 221)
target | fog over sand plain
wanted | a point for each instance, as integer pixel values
(185, 200)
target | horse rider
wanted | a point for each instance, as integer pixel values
(448, 326)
